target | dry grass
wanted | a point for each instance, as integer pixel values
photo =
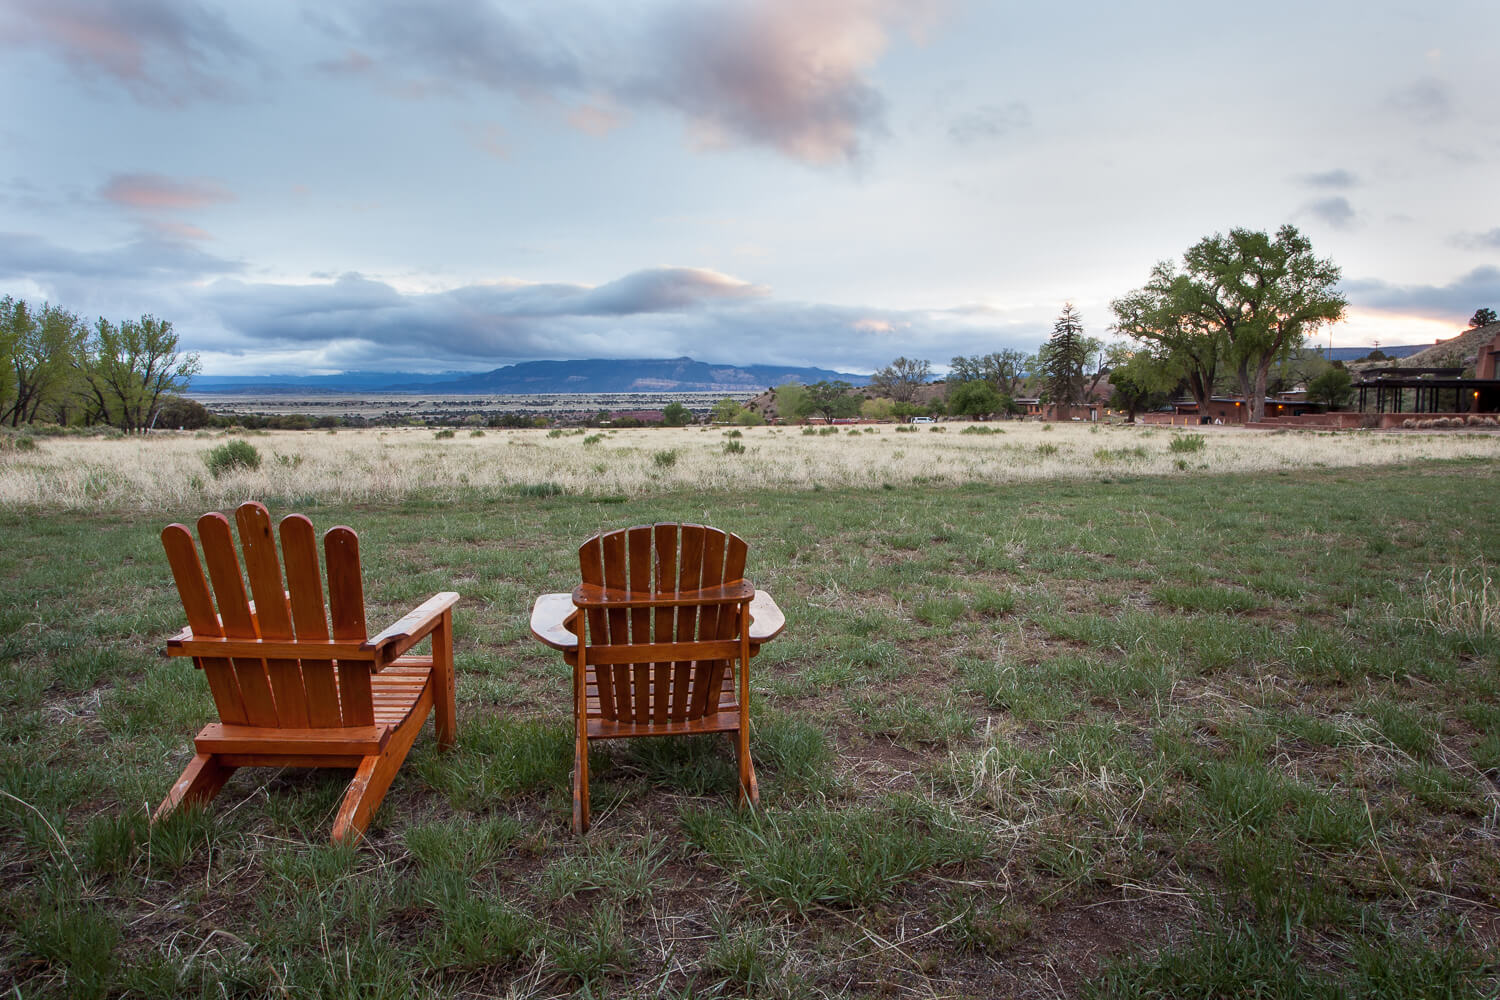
(168, 471)
(1463, 601)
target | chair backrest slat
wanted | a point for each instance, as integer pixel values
(273, 617)
(591, 567)
(304, 584)
(346, 599)
(638, 574)
(223, 566)
(705, 694)
(198, 603)
(726, 626)
(665, 626)
(616, 625)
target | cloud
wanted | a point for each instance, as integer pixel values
(161, 51)
(789, 75)
(152, 256)
(1335, 211)
(1479, 241)
(1338, 178)
(177, 231)
(1427, 100)
(595, 119)
(156, 193)
(355, 321)
(990, 123)
(1455, 301)
(665, 289)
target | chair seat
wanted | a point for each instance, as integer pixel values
(394, 691)
(726, 720)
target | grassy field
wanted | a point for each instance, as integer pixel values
(168, 471)
(1094, 734)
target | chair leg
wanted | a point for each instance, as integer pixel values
(444, 712)
(749, 789)
(372, 780)
(581, 784)
(200, 782)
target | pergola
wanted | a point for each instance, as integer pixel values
(1434, 390)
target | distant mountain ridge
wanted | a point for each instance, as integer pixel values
(595, 375)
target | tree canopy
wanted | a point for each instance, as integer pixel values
(976, 398)
(1334, 388)
(832, 400)
(901, 378)
(1482, 317)
(1242, 301)
(53, 366)
(1003, 370)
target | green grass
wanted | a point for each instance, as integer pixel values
(1199, 736)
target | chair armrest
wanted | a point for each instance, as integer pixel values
(589, 595)
(766, 619)
(410, 630)
(184, 643)
(550, 617)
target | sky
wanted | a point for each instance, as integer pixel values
(442, 185)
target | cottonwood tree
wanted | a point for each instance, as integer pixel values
(1063, 358)
(1141, 380)
(129, 368)
(1174, 337)
(41, 350)
(1243, 301)
(831, 399)
(1268, 294)
(1003, 370)
(901, 378)
(976, 398)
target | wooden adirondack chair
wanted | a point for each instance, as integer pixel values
(290, 691)
(660, 635)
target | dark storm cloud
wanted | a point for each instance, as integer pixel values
(785, 74)
(1456, 300)
(162, 52)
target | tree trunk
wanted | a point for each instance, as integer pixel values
(1247, 390)
(1258, 408)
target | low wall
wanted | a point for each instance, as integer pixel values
(1348, 421)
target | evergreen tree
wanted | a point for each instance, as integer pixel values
(1063, 357)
